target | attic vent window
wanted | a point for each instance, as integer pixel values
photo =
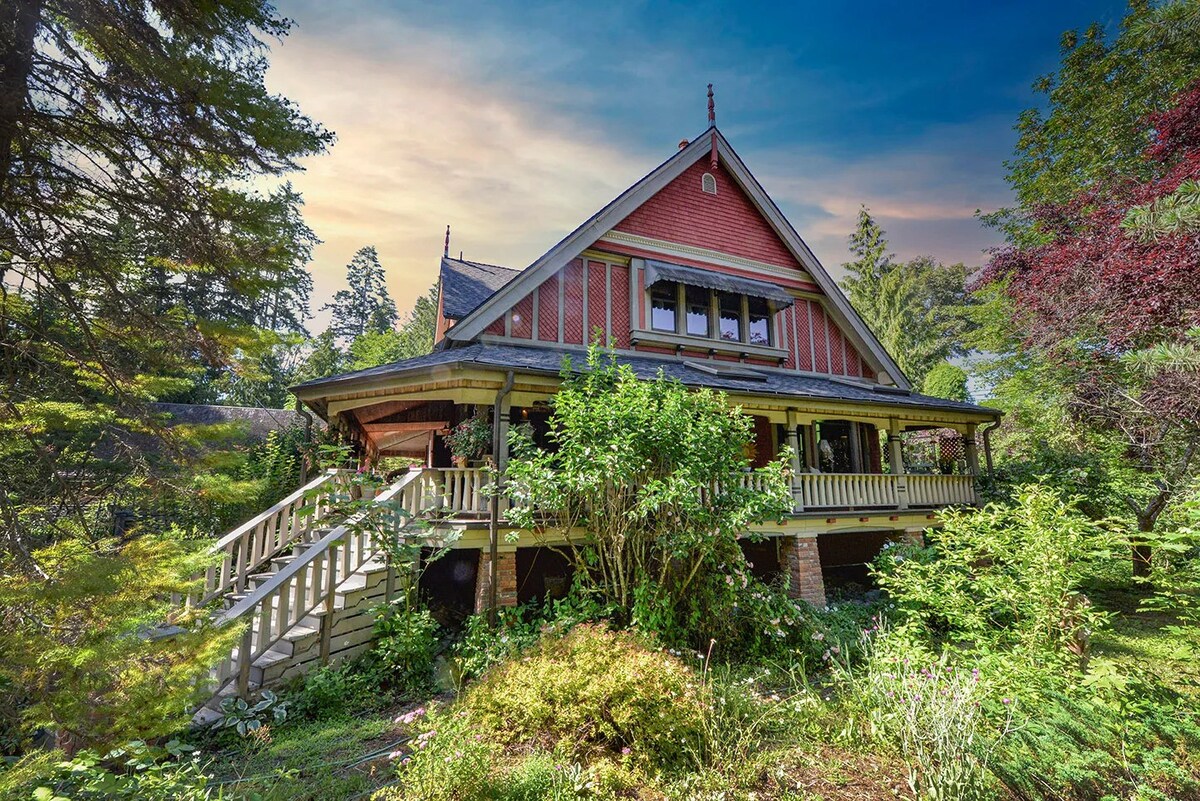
(708, 183)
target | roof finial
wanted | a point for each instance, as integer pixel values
(446, 249)
(712, 109)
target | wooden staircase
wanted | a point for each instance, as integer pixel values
(302, 578)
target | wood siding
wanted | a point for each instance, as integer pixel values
(727, 221)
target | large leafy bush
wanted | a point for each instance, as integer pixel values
(653, 477)
(1003, 579)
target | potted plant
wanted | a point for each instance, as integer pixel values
(469, 440)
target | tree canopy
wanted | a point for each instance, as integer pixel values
(914, 308)
(1090, 128)
(364, 307)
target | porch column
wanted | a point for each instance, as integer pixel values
(972, 451)
(809, 433)
(502, 441)
(803, 562)
(506, 576)
(856, 460)
(896, 463)
(793, 442)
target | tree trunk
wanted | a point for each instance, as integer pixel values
(18, 31)
(1142, 553)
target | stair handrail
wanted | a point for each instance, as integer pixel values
(277, 611)
(278, 506)
(222, 577)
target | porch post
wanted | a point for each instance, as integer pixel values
(972, 453)
(856, 460)
(793, 442)
(896, 463)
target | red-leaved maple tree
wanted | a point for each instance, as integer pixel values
(1096, 289)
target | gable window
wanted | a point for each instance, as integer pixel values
(664, 302)
(758, 319)
(688, 308)
(730, 316)
(699, 311)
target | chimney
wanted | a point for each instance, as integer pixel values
(683, 143)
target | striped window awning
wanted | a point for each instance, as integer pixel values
(723, 282)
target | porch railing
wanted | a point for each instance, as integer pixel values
(309, 582)
(817, 491)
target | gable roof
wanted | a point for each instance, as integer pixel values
(466, 284)
(604, 220)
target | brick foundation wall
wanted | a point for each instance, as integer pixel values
(506, 575)
(803, 563)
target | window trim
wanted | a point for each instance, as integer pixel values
(680, 339)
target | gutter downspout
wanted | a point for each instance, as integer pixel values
(494, 517)
(987, 446)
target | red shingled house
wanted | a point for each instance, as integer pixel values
(693, 271)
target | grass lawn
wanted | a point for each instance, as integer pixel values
(336, 758)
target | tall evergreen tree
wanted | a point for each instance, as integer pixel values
(135, 261)
(914, 308)
(365, 305)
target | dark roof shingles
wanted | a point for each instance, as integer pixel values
(550, 360)
(467, 284)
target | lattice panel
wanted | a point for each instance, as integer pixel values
(573, 303)
(620, 305)
(548, 310)
(819, 339)
(597, 281)
(803, 335)
(941, 450)
(837, 350)
(853, 361)
(522, 318)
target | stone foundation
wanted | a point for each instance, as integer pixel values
(803, 563)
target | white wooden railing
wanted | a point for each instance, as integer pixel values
(936, 490)
(880, 491)
(310, 581)
(267, 534)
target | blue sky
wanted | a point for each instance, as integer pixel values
(513, 122)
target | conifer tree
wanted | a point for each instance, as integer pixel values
(914, 308)
(365, 305)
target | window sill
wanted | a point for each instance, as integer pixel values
(711, 346)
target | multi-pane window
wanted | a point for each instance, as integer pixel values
(699, 310)
(758, 319)
(730, 316)
(664, 302)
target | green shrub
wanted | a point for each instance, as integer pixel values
(597, 690)
(335, 691)
(447, 760)
(1082, 748)
(136, 771)
(1003, 579)
(406, 641)
(930, 709)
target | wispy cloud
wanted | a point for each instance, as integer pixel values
(506, 138)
